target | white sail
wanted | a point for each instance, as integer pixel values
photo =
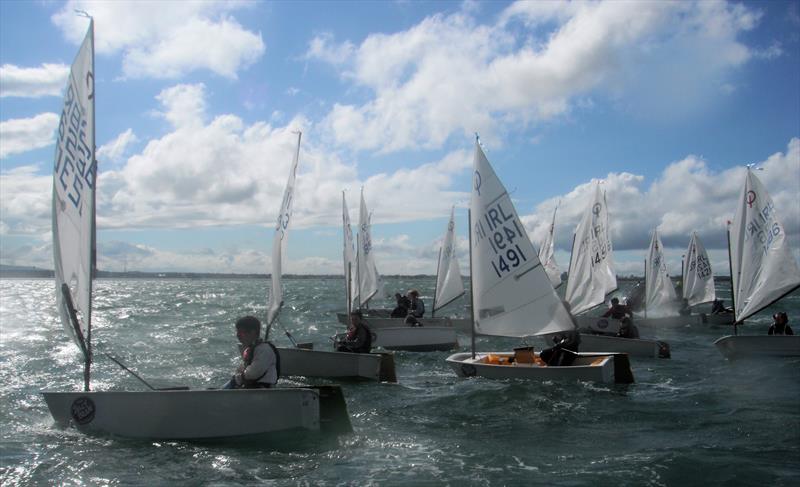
(512, 293)
(280, 239)
(367, 271)
(547, 254)
(762, 265)
(660, 294)
(698, 280)
(74, 178)
(591, 270)
(349, 258)
(449, 285)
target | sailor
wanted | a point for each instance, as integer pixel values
(358, 338)
(685, 309)
(416, 309)
(563, 343)
(617, 310)
(780, 325)
(403, 303)
(259, 367)
(718, 307)
(627, 329)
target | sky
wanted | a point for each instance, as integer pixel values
(198, 102)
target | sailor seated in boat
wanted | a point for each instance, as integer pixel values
(358, 338)
(416, 309)
(780, 325)
(627, 329)
(617, 310)
(259, 367)
(403, 303)
(718, 307)
(559, 354)
(685, 309)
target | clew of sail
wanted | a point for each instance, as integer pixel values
(449, 285)
(367, 271)
(512, 293)
(698, 281)
(74, 178)
(349, 258)
(280, 239)
(591, 270)
(547, 254)
(659, 292)
(762, 266)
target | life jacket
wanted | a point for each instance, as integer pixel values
(249, 354)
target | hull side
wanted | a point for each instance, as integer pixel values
(339, 365)
(376, 319)
(744, 346)
(416, 339)
(634, 347)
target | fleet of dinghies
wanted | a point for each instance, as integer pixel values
(512, 294)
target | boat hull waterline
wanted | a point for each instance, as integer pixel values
(337, 365)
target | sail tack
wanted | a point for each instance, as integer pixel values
(512, 293)
(449, 285)
(280, 239)
(698, 281)
(660, 294)
(591, 272)
(74, 178)
(547, 254)
(762, 266)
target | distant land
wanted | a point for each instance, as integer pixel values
(30, 272)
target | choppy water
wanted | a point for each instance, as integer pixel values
(693, 420)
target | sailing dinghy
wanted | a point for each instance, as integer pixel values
(174, 414)
(512, 295)
(763, 271)
(592, 277)
(436, 334)
(304, 360)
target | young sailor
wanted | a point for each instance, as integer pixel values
(358, 338)
(780, 325)
(259, 366)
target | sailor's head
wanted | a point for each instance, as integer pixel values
(614, 301)
(247, 328)
(413, 293)
(780, 318)
(355, 317)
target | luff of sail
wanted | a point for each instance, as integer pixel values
(74, 178)
(512, 293)
(547, 254)
(659, 291)
(591, 270)
(367, 271)
(763, 268)
(449, 285)
(698, 280)
(280, 239)
(348, 256)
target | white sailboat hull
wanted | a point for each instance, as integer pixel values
(380, 319)
(415, 338)
(337, 365)
(187, 414)
(635, 347)
(587, 367)
(607, 325)
(743, 346)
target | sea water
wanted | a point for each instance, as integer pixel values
(695, 419)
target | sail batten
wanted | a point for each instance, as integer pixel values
(763, 268)
(507, 300)
(279, 241)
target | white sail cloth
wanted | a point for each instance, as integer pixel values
(512, 294)
(698, 280)
(547, 254)
(348, 256)
(280, 239)
(74, 177)
(591, 271)
(449, 285)
(762, 266)
(367, 270)
(660, 296)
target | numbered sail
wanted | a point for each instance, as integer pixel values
(349, 258)
(367, 270)
(280, 239)
(698, 281)
(660, 294)
(512, 293)
(763, 268)
(547, 255)
(449, 285)
(591, 270)
(74, 178)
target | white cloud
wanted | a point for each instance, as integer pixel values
(448, 75)
(25, 201)
(24, 134)
(46, 80)
(115, 150)
(182, 37)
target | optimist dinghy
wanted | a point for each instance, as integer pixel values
(513, 296)
(179, 414)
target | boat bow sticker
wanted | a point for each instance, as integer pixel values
(83, 410)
